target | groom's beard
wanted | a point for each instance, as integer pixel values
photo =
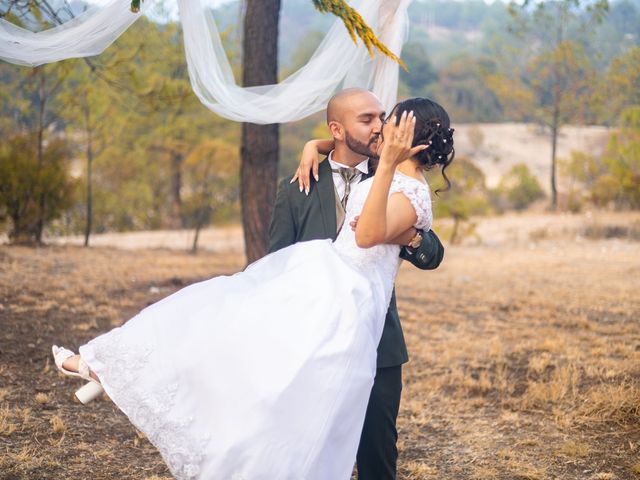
(361, 148)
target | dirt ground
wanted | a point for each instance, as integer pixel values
(525, 359)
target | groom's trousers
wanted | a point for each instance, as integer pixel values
(377, 453)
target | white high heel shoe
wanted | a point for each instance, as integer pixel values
(91, 390)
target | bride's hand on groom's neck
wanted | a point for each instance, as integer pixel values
(310, 161)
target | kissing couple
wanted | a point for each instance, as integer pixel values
(292, 368)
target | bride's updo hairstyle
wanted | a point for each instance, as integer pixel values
(433, 128)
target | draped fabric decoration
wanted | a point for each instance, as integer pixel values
(336, 63)
(90, 33)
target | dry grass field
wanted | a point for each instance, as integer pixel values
(525, 356)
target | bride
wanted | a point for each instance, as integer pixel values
(266, 374)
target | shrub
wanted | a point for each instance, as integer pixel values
(33, 191)
(519, 188)
(614, 178)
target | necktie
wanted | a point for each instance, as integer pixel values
(348, 175)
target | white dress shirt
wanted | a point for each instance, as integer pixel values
(338, 181)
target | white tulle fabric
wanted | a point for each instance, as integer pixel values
(266, 374)
(337, 63)
(90, 33)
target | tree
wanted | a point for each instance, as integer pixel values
(420, 73)
(30, 181)
(35, 115)
(622, 159)
(38, 89)
(87, 107)
(259, 148)
(622, 84)
(551, 83)
(211, 178)
(462, 87)
(614, 177)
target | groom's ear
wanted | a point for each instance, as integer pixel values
(337, 130)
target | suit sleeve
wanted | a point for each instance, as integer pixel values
(282, 231)
(428, 255)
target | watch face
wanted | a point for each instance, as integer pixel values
(416, 241)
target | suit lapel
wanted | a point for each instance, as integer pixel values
(370, 173)
(327, 197)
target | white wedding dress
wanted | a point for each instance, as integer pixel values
(265, 374)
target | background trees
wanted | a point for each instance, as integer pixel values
(551, 79)
(133, 129)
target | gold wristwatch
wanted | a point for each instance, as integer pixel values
(416, 241)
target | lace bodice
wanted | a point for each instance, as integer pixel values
(382, 260)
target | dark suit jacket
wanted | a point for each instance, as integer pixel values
(299, 218)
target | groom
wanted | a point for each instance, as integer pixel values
(355, 118)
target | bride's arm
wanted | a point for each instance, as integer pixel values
(403, 239)
(309, 161)
(384, 217)
(390, 223)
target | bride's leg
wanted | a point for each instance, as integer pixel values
(73, 364)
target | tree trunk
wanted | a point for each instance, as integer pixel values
(555, 127)
(454, 230)
(176, 220)
(259, 149)
(555, 121)
(42, 102)
(196, 236)
(87, 230)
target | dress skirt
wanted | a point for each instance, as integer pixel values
(262, 375)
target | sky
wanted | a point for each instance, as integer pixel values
(168, 9)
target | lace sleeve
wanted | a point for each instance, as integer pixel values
(418, 194)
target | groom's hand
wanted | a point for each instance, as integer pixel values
(428, 255)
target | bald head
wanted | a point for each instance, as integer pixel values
(354, 117)
(347, 100)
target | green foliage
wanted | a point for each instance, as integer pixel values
(420, 72)
(146, 127)
(582, 170)
(621, 85)
(550, 79)
(25, 181)
(614, 178)
(519, 188)
(463, 89)
(622, 159)
(133, 112)
(210, 181)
